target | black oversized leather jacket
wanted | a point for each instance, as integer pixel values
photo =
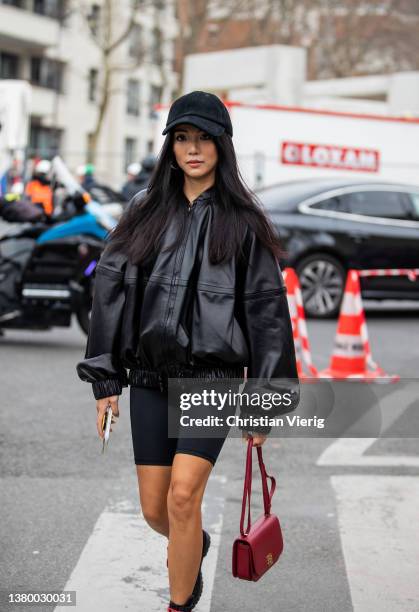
(181, 316)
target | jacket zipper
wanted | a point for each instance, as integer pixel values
(191, 205)
(175, 275)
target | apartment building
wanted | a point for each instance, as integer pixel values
(57, 46)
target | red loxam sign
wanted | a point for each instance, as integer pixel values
(330, 156)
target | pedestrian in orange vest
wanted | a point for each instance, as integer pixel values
(39, 188)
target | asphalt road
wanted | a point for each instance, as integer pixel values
(61, 498)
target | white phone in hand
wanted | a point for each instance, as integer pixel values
(106, 426)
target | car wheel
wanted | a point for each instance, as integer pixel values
(322, 280)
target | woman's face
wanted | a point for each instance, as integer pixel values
(190, 144)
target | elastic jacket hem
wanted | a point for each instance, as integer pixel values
(143, 377)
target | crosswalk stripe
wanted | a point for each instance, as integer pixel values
(123, 564)
(379, 532)
(351, 451)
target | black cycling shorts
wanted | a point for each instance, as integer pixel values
(151, 444)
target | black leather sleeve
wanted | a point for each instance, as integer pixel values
(267, 326)
(101, 365)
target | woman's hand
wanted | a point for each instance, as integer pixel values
(258, 438)
(101, 406)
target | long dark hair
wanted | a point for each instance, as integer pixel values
(142, 226)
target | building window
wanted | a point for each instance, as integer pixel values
(44, 142)
(130, 152)
(46, 73)
(156, 47)
(135, 48)
(155, 98)
(387, 204)
(49, 8)
(133, 97)
(9, 65)
(93, 78)
(93, 19)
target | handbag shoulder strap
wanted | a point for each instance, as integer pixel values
(247, 489)
(267, 495)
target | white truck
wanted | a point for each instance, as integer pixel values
(280, 143)
(15, 99)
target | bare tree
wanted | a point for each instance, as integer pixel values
(109, 30)
(157, 55)
(346, 35)
(218, 25)
(342, 37)
(192, 18)
(195, 18)
(356, 37)
(284, 21)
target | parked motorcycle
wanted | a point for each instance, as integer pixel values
(46, 268)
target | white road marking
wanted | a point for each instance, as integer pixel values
(123, 564)
(350, 451)
(380, 533)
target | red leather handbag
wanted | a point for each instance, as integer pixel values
(256, 550)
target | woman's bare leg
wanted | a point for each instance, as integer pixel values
(188, 481)
(153, 486)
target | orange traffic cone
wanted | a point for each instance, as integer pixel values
(351, 357)
(299, 327)
(292, 305)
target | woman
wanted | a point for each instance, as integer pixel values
(188, 286)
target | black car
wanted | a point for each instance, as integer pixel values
(329, 226)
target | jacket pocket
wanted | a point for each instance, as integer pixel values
(216, 333)
(152, 334)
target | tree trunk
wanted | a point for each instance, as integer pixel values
(103, 106)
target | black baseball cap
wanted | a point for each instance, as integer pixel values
(203, 110)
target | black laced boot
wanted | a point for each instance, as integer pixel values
(186, 607)
(199, 583)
